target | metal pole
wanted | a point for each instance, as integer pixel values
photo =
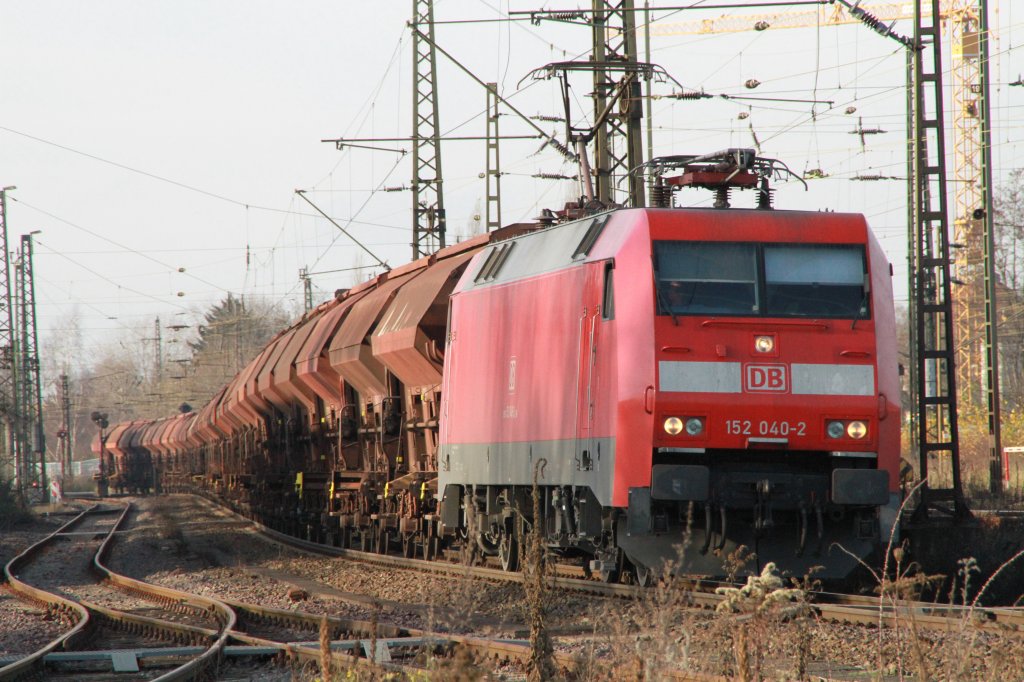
(989, 249)
(8, 368)
(427, 194)
(32, 407)
(159, 350)
(912, 368)
(493, 171)
(65, 431)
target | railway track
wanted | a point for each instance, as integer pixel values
(830, 606)
(110, 618)
(165, 634)
(256, 632)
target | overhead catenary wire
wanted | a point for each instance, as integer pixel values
(784, 133)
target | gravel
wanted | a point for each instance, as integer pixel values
(205, 550)
(24, 626)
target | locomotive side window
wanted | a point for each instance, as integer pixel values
(815, 280)
(706, 278)
(608, 304)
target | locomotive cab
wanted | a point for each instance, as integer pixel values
(771, 408)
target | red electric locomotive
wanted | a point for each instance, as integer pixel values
(681, 382)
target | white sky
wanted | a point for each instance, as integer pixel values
(144, 137)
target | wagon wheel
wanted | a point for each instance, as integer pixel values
(383, 541)
(409, 545)
(431, 548)
(508, 550)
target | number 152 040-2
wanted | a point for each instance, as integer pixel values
(749, 427)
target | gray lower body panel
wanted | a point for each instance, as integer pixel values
(586, 463)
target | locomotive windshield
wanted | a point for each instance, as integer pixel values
(770, 280)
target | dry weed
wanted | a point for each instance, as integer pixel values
(542, 666)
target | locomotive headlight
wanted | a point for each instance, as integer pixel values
(857, 430)
(764, 344)
(673, 426)
(694, 426)
(835, 429)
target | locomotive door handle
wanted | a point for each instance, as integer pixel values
(649, 400)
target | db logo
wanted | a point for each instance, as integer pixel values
(765, 378)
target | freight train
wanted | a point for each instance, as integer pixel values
(674, 383)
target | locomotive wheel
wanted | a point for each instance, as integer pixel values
(508, 551)
(409, 545)
(383, 540)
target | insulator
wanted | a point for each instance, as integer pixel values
(751, 83)
(761, 26)
(722, 197)
(742, 115)
(850, 110)
(876, 24)
(690, 95)
(562, 149)
(765, 197)
(661, 195)
(546, 217)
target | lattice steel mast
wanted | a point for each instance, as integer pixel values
(428, 229)
(31, 432)
(938, 431)
(64, 438)
(493, 172)
(967, 255)
(975, 298)
(992, 397)
(8, 364)
(618, 145)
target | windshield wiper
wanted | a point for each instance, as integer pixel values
(862, 309)
(664, 304)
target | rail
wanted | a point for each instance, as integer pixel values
(77, 613)
(224, 614)
(86, 615)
